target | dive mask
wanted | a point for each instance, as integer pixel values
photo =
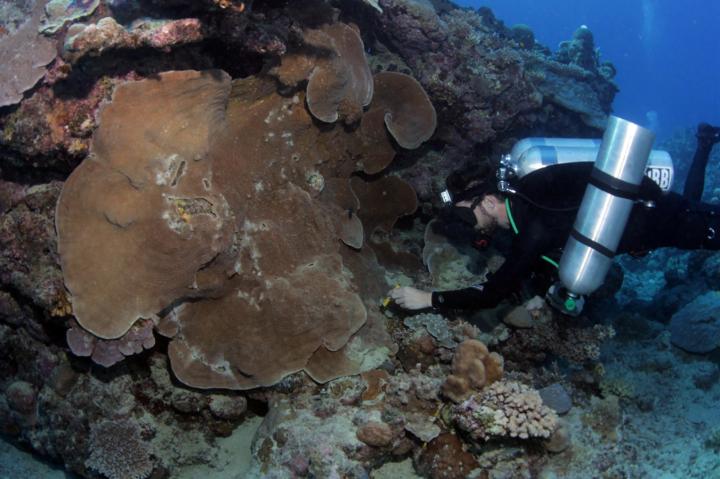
(465, 214)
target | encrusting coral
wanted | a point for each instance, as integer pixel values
(107, 34)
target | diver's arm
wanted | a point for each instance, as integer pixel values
(486, 295)
(518, 265)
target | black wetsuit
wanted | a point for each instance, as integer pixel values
(676, 220)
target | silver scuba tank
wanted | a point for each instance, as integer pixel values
(531, 154)
(606, 206)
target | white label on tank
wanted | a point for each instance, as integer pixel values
(660, 175)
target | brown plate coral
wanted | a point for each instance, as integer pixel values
(202, 208)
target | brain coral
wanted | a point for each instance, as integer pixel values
(202, 208)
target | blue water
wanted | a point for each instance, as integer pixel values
(667, 52)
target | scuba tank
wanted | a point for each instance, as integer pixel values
(532, 154)
(621, 159)
(613, 188)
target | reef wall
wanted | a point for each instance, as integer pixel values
(198, 211)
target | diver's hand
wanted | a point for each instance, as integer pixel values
(411, 298)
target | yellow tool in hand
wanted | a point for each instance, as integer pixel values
(386, 301)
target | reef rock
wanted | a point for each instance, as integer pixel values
(696, 326)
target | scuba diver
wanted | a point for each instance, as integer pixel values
(541, 218)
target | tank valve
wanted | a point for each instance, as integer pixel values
(565, 301)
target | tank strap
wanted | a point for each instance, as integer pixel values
(592, 244)
(614, 186)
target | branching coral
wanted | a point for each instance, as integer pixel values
(506, 409)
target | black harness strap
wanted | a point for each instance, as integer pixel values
(612, 185)
(592, 244)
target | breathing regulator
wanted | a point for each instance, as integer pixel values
(621, 159)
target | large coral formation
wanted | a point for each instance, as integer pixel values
(405, 109)
(342, 85)
(143, 202)
(339, 81)
(382, 202)
(185, 214)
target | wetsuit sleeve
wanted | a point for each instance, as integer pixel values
(526, 249)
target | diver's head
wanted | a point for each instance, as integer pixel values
(473, 198)
(484, 213)
(474, 209)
